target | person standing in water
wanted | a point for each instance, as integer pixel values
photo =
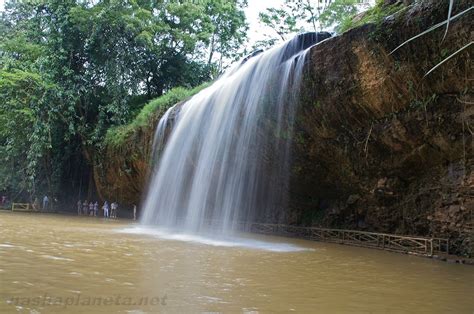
(85, 207)
(113, 210)
(45, 202)
(106, 209)
(91, 209)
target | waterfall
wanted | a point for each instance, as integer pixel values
(226, 158)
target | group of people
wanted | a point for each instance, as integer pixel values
(92, 209)
(45, 203)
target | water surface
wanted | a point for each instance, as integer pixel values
(53, 264)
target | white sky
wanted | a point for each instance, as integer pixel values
(256, 30)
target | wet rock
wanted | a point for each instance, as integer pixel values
(396, 139)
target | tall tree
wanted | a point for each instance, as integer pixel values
(73, 68)
(228, 31)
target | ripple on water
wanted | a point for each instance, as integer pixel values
(57, 258)
(209, 299)
(6, 245)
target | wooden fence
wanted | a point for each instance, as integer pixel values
(389, 242)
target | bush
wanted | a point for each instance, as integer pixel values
(155, 108)
(374, 15)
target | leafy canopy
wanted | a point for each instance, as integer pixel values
(72, 69)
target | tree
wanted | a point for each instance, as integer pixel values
(25, 126)
(71, 69)
(228, 31)
(280, 20)
(304, 16)
(25, 121)
(339, 11)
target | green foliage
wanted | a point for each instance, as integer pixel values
(338, 12)
(374, 15)
(228, 31)
(116, 136)
(280, 21)
(70, 70)
(304, 16)
(24, 127)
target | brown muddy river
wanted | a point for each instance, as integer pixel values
(57, 264)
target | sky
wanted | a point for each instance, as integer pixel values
(256, 30)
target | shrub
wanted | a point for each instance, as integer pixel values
(155, 108)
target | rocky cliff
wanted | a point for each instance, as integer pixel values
(377, 146)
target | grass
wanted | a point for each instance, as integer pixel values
(450, 18)
(118, 135)
(375, 15)
(447, 22)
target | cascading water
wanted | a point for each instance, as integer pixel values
(226, 158)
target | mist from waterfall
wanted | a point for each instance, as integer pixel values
(227, 150)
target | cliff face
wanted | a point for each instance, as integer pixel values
(377, 145)
(122, 171)
(380, 147)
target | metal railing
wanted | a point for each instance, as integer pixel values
(390, 242)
